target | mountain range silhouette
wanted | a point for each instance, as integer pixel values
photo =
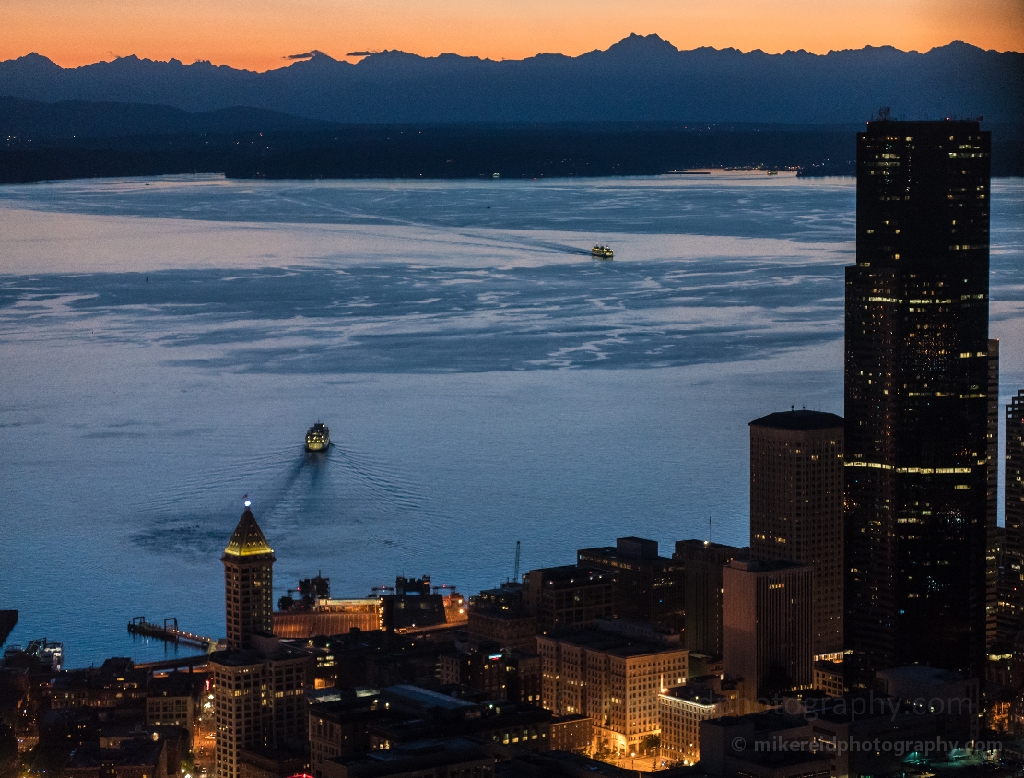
(638, 79)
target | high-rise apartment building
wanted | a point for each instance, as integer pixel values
(768, 631)
(648, 587)
(796, 507)
(702, 592)
(248, 583)
(1012, 583)
(916, 399)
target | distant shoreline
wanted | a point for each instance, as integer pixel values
(36, 152)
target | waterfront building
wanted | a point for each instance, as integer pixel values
(648, 587)
(500, 616)
(702, 591)
(114, 684)
(248, 583)
(568, 596)
(612, 677)
(768, 633)
(796, 507)
(412, 605)
(331, 617)
(916, 379)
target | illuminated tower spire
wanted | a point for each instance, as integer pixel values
(248, 582)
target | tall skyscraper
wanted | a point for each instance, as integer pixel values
(767, 626)
(995, 537)
(916, 393)
(248, 583)
(796, 506)
(1012, 584)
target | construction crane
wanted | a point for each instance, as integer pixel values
(515, 574)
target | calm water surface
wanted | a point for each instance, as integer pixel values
(164, 344)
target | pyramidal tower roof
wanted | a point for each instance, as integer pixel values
(248, 538)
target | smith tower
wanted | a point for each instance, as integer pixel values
(916, 386)
(248, 582)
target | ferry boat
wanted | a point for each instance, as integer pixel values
(318, 438)
(601, 251)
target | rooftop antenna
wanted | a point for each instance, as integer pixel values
(515, 573)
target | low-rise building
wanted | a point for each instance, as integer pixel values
(338, 728)
(330, 617)
(500, 616)
(173, 700)
(828, 678)
(760, 745)
(648, 587)
(425, 759)
(680, 711)
(498, 674)
(398, 716)
(568, 596)
(114, 684)
(141, 756)
(263, 762)
(858, 734)
(611, 677)
(943, 692)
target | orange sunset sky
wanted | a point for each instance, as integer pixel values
(257, 34)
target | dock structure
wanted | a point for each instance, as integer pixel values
(168, 632)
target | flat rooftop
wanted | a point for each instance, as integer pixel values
(613, 643)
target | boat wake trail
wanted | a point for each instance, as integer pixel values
(378, 481)
(291, 491)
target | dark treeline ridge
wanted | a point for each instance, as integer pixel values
(456, 151)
